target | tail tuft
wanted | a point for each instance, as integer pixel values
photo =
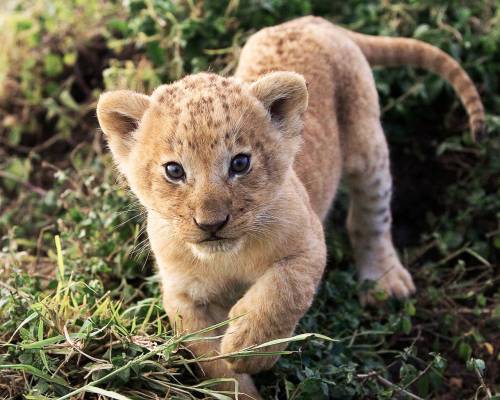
(478, 130)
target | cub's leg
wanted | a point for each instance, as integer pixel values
(369, 220)
(273, 305)
(192, 318)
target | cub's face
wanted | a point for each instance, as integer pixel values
(208, 155)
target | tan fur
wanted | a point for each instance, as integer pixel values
(268, 270)
(403, 51)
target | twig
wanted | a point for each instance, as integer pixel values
(422, 373)
(414, 88)
(33, 188)
(483, 384)
(77, 348)
(389, 384)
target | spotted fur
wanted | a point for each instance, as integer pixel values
(265, 271)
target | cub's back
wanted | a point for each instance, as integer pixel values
(325, 56)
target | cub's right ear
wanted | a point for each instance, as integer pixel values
(284, 95)
(119, 113)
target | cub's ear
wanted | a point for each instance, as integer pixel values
(284, 95)
(119, 113)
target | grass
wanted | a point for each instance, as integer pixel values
(80, 307)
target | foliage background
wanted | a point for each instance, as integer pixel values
(76, 316)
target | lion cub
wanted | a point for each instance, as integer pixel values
(237, 175)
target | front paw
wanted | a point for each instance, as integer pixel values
(243, 333)
(252, 327)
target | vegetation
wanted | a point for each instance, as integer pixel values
(80, 308)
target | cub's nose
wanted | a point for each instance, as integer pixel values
(212, 227)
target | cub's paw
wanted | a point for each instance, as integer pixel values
(249, 328)
(395, 281)
(243, 334)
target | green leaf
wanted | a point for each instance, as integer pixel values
(68, 101)
(423, 385)
(476, 364)
(155, 53)
(29, 369)
(53, 65)
(49, 341)
(17, 170)
(464, 351)
(69, 58)
(406, 325)
(410, 308)
(496, 241)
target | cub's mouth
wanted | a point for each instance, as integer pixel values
(214, 238)
(215, 244)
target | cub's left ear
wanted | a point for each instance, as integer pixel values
(284, 95)
(119, 113)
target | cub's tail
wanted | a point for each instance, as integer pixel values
(389, 51)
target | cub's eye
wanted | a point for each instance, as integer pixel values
(174, 171)
(239, 164)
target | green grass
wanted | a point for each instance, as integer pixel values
(83, 312)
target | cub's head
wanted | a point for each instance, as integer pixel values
(208, 155)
